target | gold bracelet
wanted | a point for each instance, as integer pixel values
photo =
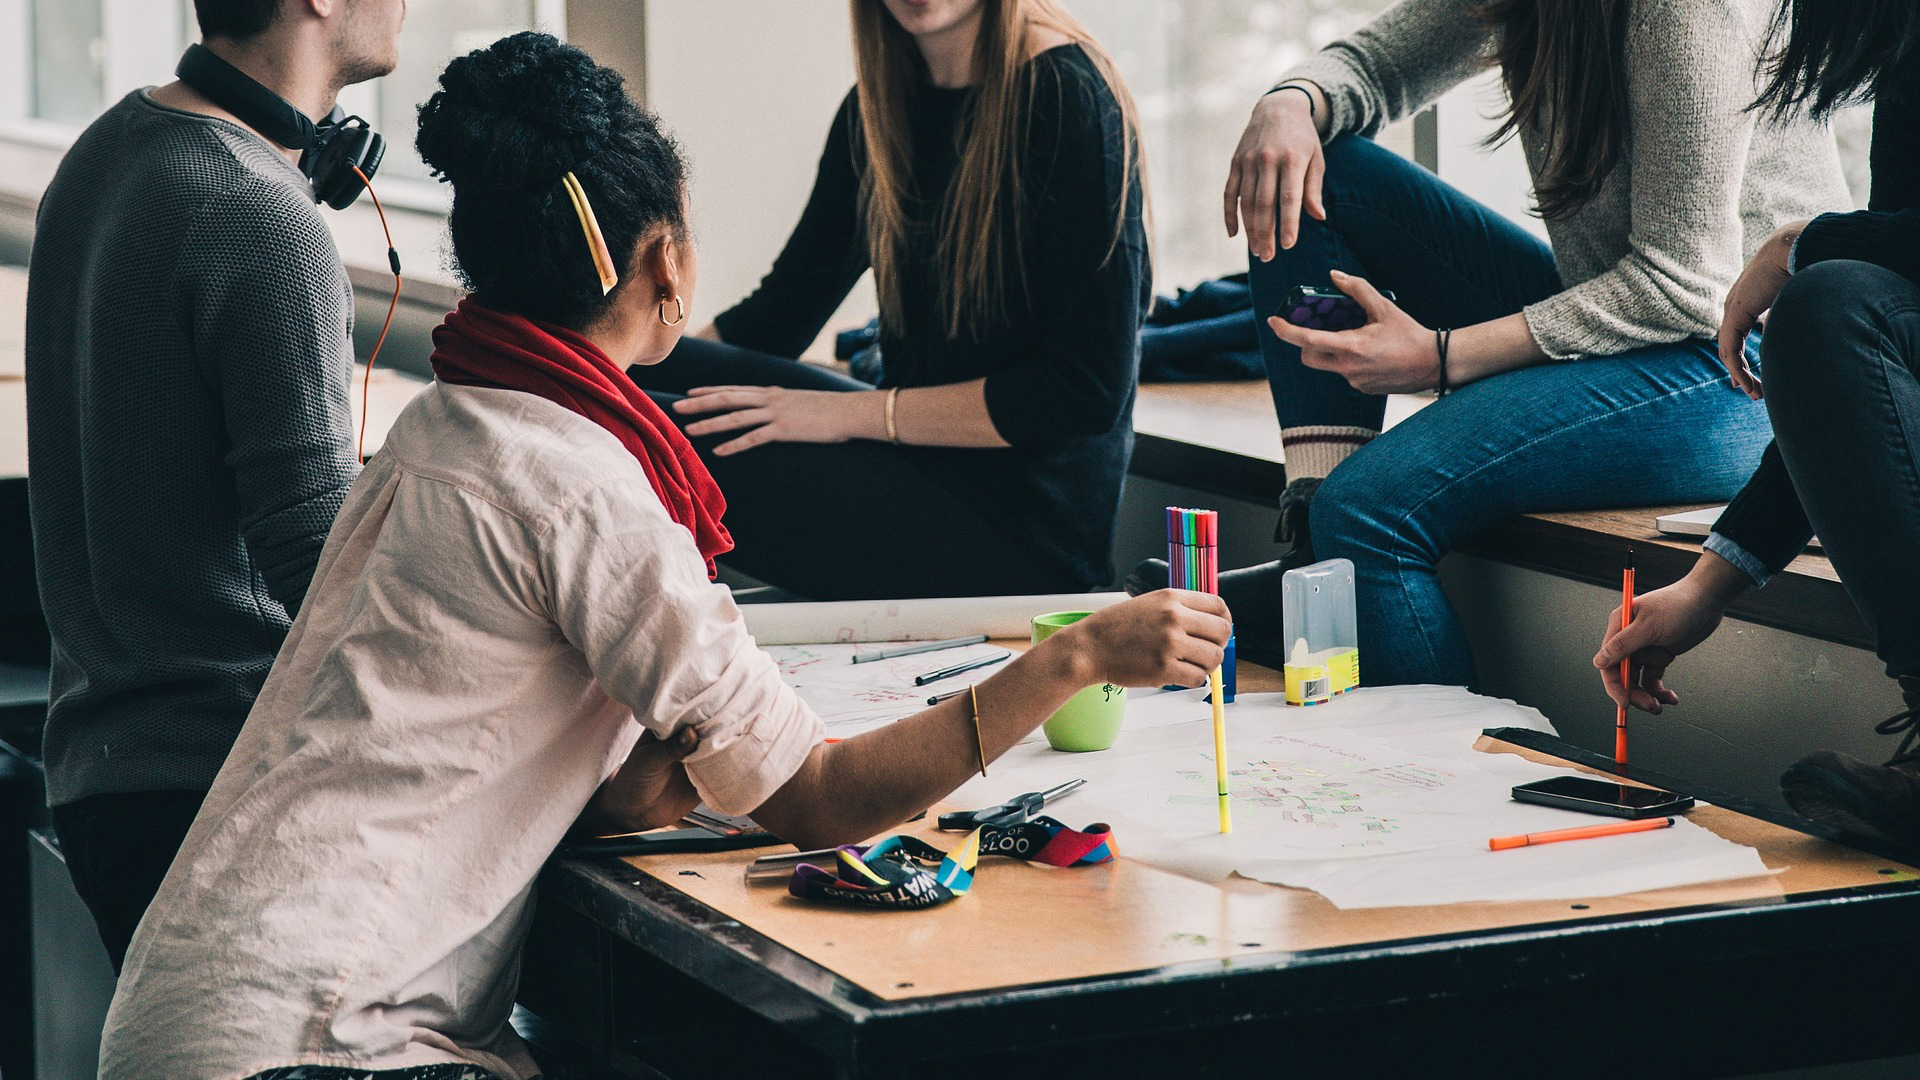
(893, 433)
(973, 693)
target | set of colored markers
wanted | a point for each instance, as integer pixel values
(1193, 553)
(1193, 548)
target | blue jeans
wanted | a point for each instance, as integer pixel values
(1843, 389)
(1655, 425)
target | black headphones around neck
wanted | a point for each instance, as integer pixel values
(329, 150)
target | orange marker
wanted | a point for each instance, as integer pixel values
(1626, 663)
(1584, 832)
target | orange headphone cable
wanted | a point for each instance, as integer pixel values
(393, 260)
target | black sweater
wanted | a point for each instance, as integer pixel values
(189, 353)
(1060, 373)
(1766, 518)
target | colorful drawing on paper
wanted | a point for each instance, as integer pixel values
(1291, 793)
(1309, 793)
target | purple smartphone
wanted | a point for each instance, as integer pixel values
(1324, 309)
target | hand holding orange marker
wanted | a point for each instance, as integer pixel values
(1584, 832)
(1626, 663)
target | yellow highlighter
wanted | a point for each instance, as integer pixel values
(1220, 747)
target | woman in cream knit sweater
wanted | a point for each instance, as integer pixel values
(1581, 374)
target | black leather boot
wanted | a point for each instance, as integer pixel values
(1877, 801)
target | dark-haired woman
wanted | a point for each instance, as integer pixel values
(1842, 387)
(1001, 215)
(1578, 374)
(512, 622)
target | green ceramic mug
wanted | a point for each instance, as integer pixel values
(1090, 720)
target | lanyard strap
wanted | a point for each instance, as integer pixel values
(907, 872)
(1050, 842)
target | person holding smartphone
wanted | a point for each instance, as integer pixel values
(1841, 382)
(1578, 373)
(512, 624)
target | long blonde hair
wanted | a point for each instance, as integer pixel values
(981, 235)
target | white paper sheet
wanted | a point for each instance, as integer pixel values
(1375, 799)
(911, 620)
(1685, 854)
(851, 698)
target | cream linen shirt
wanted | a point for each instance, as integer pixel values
(501, 607)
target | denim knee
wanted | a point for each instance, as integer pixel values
(1356, 514)
(1828, 317)
(1351, 159)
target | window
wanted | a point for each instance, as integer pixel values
(69, 52)
(65, 61)
(436, 32)
(1195, 68)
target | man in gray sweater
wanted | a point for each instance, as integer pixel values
(189, 354)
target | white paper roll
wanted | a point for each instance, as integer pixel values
(911, 620)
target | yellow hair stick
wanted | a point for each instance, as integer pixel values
(596, 241)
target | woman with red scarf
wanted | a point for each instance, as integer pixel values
(512, 625)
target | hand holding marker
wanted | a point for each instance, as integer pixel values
(1193, 553)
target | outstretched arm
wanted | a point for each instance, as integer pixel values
(847, 791)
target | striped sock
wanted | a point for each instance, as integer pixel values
(1314, 451)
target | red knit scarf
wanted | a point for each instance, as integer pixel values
(478, 346)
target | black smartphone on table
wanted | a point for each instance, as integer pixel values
(1591, 796)
(1325, 309)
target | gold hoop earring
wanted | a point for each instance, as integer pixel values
(680, 310)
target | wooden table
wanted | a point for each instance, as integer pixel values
(1122, 970)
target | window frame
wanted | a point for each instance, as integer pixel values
(125, 26)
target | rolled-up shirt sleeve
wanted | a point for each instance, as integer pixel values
(629, 589)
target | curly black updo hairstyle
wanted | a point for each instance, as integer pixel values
(506, 124)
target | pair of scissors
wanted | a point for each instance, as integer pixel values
(1012, 812)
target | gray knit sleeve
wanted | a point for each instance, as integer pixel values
(1394, 65)
(272, 331)
(1690, 73)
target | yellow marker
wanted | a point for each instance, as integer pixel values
(1220, 747)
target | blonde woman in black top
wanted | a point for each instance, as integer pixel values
(1002, 217)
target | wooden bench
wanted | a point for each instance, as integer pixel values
(1222, 438)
